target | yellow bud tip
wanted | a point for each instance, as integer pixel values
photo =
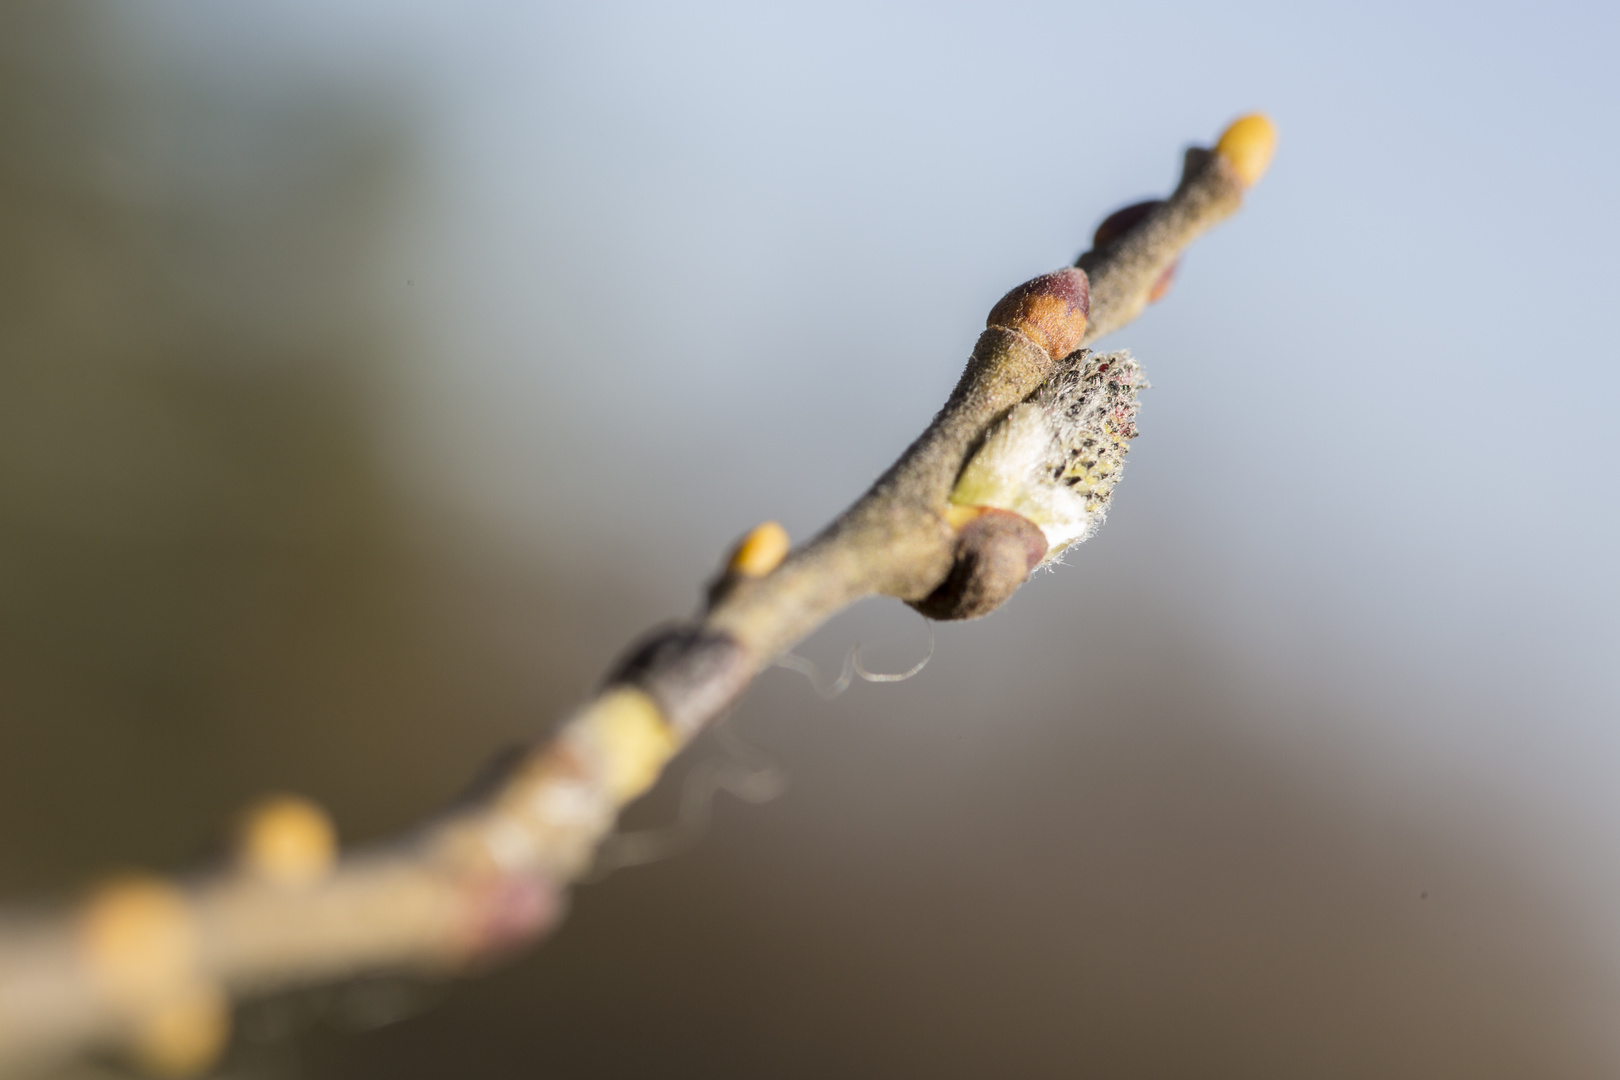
(760, 552)
(137, 938)
(287, 840)
(184, 1035)
(634, 740)
(1248, 145)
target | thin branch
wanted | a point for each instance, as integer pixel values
(1017, 465)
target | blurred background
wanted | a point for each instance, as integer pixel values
(371, 373)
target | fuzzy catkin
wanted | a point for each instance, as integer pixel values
(1057, 455)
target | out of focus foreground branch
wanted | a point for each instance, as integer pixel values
(1019, 464)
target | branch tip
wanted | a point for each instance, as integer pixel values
(1247, 145)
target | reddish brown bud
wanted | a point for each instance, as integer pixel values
(1122, 221)
(1050, 310)
(995, 551)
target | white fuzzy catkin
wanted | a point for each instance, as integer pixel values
(1056, 456)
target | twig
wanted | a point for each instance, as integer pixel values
(1018, 464)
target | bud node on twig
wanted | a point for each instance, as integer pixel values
(1050, 310)
(692, 673)
(995, 551)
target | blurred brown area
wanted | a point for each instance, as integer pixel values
(956, 885)
(210, 584)
(1060, 851)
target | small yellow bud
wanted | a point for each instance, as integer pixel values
(1248, 145)
(760, 552)
(137, 938)
(287, 840)
(634, 739)
(184, 1035)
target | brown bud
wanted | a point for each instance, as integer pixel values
(690, 673)
(1122, 221)
(994, 554)
(1050, 310)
